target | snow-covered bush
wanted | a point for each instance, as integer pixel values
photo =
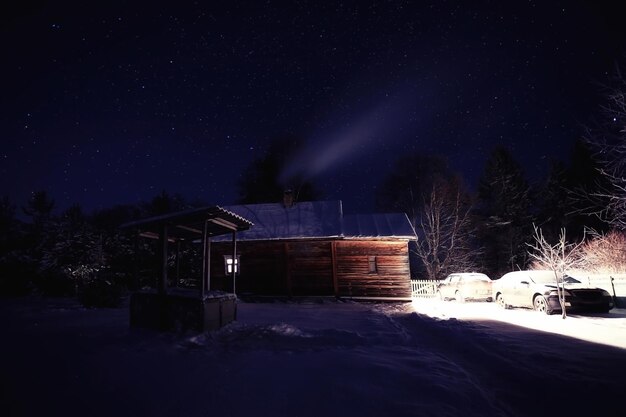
(104, 289)
(602, 254)
(605, 253)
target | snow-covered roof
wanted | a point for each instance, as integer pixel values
(303, 220)
(317, 219)
(378, 226)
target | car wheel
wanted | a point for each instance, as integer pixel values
(500, 301)
(540, 304)
(459, 297)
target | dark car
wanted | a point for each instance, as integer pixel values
(465, 286)
(538, 290)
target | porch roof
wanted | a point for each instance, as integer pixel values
(189, 224)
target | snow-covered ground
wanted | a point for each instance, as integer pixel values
(315, 358)
(608, 329)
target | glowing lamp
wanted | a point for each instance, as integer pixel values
(228, 264)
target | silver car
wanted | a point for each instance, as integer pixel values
(538, 290)
(465, 286)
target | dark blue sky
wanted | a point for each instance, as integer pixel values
(110, 104)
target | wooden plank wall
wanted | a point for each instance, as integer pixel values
(392, 277)
(310, 268)
(263, 268)
(316, 267)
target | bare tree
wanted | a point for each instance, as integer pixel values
(445, 244)
(558, 258)
(609, 141)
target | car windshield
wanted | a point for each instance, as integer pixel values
(542, 277)
(477, 277)
(547, 277)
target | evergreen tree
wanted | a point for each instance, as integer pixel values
(15, 266)
(584, 179)
(563, 199)
(554, 208)
(164, 203)
(506, 222)
(410, 182)
(39, 207)
(8, 224)
(39, 237)
(262, 181)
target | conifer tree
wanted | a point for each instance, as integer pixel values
(504, 207)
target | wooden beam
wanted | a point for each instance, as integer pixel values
(208, 263)
(203, 279)
(224, 223)
(235, 265)
(333, 259)
(155, 236)
(177, 264)
(288, 269)
(189, 229)
(162, 284)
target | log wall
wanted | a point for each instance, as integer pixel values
(316, 267)
(392, 275)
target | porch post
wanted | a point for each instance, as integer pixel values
(204, 263)
(162, 283)
(235, 266)
(177, 263)
(208, 263)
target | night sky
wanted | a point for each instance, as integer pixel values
(110, 104)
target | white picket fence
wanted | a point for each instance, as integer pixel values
(422, 288)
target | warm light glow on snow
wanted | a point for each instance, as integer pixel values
(608, 329)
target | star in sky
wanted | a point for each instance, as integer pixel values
(110, 104)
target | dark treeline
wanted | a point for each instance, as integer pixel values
(489, 230)
(77, 254)
(87, 255)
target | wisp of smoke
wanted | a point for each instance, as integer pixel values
(376, 127)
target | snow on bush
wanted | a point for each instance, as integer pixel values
(605, 253)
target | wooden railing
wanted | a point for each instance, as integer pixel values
(421, 288)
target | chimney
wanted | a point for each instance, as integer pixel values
(288, 200)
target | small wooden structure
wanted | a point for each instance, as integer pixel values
(313, 249)
(181, 309)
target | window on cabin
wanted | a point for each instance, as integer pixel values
(228, 264)
(372, 265)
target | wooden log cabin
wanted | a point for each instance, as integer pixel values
(313, 249)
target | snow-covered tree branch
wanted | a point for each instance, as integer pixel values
(609, 141)
(559, 258)
(446, 241)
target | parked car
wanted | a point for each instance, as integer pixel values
(538, 290)
(465, 286)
